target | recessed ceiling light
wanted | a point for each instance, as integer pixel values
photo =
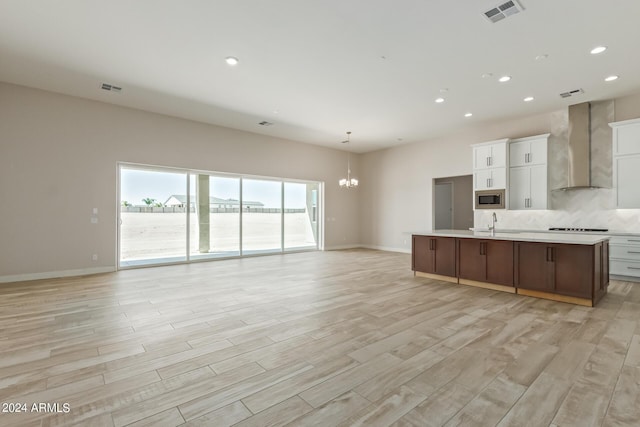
(487, 75)
(231, 60)
(468, 115)
(504, 79)
(444, 90)
(439, 100)
(528, 99)
(611, 78)
(598, 49)
(542, 57)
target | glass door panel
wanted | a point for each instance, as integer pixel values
(214, 220)
(300, 215)
(153, 221)
(261, 216)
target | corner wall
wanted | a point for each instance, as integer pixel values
(58, 160)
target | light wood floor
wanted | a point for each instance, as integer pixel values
(321, 338)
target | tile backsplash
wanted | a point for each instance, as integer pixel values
(584, 208)
(579, 208)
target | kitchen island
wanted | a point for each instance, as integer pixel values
(562, 267)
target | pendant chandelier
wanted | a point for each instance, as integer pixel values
(348, 182)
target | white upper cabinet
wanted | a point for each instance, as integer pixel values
(528, 151)
(490, 154)
(528, 187)
(490, 179)
(626, 137)
(489, 165)
(626, 163)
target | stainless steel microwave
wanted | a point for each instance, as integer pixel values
(489, 199)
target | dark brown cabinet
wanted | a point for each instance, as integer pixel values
(573, 273)
(564, 269)
(434, 255)
(486, 261)
(533, 268)
(602, 280)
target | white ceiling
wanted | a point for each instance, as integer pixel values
(317, 69)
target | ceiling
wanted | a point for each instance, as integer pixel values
(317, 69)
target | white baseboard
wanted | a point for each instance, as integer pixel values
(55, 274)
(387, 248)
(341, 247)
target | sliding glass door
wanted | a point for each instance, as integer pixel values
(215, 220)
(261, 216)
(169, 216)
(153, 228)
(300, 215)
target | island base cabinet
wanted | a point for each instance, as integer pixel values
(564, 272)
(532, 267)
(575, 273)
(434, 255)
(486, 261)
(500, 262)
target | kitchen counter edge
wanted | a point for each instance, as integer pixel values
(553, 237)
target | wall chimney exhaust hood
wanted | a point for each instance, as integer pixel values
(579, 158)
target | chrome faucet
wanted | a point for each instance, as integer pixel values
(492, 227)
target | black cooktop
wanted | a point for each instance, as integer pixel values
(577, 229)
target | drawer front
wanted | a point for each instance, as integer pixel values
(625, 240)
(624, 252)
(624, 268)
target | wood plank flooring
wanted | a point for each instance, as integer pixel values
(339, 338)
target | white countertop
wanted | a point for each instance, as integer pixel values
(548, 237)
(599, 233)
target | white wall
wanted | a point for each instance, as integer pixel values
(397, 182)
(58, 160)
(58, 157)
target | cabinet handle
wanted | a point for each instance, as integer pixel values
(490, 182)
(633, 252)
(632, 240)
(487, 161)
(549, 254)
(633, 268)
(432, 244)
(490, 160)
(483, 248)
(526, 158)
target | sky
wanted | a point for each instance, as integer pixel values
(141, 184)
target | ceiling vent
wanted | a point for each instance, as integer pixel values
(265, 123)
(111, 88)
(503, 10)
(571, 93)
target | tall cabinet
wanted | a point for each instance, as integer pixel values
(626, 163)
(528, 173)
(490, 165)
